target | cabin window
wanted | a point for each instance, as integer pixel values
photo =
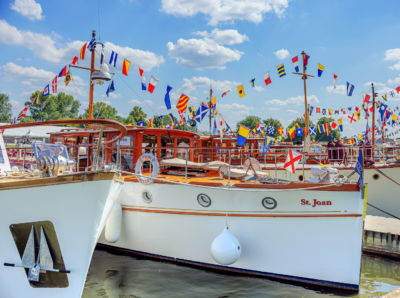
(167, 141)
(150, 143)
(126, 153)
(183, 143)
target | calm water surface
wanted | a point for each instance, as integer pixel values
(117, 275)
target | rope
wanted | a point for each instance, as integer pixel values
(241, 189)
(382, 211)
(380, 172)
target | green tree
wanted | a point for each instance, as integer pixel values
(250, 122)
(302, 124)
(138, 115)
(5, 108)
(273, 122)
(101, 110)
(334, 134)
(27, 119)
(54, 107)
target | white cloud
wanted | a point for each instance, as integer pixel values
(340, 89)
(393, 55)
(293, 101)
(114, 95)
(144, 59)
(273, 109)
(27, 94)
(165, 108)
(375, 84)
(228, 37)
(236, 108)
(225, 10)
(201, 53)
(191, 85)
(259, 88)
(16, 106)
(32, 77)
(137, 102)
(291, 112)
(28, 8)
(282, 54)
(395, 81)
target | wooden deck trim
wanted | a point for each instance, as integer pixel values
(236, 214)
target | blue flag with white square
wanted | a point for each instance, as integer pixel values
(299, 132)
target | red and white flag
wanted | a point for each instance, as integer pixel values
(333, 125)
(295, 61)
(222, 120)
(267, 79)
(335, 78)
(292, 160)
(327, 129)
(75, 61)
(152, 84)
(54, 85)
(225, 93)
(366, 97)
(182, 117)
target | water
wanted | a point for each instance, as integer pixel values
(128, 276)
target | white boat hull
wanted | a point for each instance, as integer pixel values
(77, 211)
(382, 193)
(294, 241)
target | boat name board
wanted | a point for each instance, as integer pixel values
(315, 203)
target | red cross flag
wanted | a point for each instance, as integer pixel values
(292, 159)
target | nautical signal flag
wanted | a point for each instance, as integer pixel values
(83, 51)
(141, 123)
(358, 115)
(340, 124)
(292, 159)
(166, 99)
(75, 60)
(281, 70)
(225, 93)
(280, 130)
(330, 111)
(321, 128)
(241, 91)
(318, 110)
(191, 111)
(267, 78)
(171, 117)
(46, 91)
(113, 58)
(267, 144)
(142, 79)
(334, 125)
(327, 128)
(295, 61)
(350, 89)
(182, 103)
(243, 134)
(335, 78)
(312, 130)
(54, 84)
(299, 132)
(320, 69)
(292, 132)
(125, 67)
(35, 100)
(366, 97)
(384, 97)
(152, 84)
(63, 72)
(151, 122)
(110, 88)
(252, 82)
(306, 57)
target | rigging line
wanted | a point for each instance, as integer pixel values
(98, 14)
(73, 82)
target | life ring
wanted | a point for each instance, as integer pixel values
(138, 168)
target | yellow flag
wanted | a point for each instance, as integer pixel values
(358, 115)
(214, 100)
(216, 112)
(241, 91)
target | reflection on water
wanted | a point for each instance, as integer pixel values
(128, 276)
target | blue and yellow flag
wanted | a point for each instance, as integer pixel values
(243, 134)
(171, 117)
(267, 144)
(340, 124)
(35, 100)
(281, 70)
(320, 69)
(321, 128)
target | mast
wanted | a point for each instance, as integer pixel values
(307, 141)
(90, 80)
(373, 115)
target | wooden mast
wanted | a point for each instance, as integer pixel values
(90, 80)
(373, 116)
(307, 141)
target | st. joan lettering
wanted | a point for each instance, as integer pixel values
(315, 202)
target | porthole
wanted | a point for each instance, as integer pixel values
(301, 178)
(147, 197)
(204, 200)
(375, 176)
(269, 203)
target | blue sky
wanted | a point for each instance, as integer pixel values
(190, 44)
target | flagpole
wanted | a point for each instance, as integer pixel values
(373, 117)
(90, 80)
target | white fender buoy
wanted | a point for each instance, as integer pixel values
(112, 230)
(226, 249)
